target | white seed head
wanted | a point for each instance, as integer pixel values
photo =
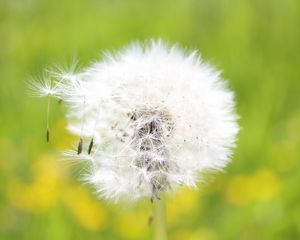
(159, 117)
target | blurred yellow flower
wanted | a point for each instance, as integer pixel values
(261, 186)
(51, 184)
(267, 185)
(42, 192)
(87, 210)
(133, 224)
(186, 200)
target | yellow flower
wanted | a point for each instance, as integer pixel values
(40, 194)
(134, 224)
(261, 186)
(86, 210)
(184, 201)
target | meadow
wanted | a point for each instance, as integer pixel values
(256, 44)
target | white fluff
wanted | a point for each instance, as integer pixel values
(184, 100)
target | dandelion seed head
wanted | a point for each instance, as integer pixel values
(158, 115)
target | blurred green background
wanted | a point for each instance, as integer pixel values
(255, 42)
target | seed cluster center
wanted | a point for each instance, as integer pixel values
(151, 128)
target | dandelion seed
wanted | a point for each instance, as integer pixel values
(44, 88)
(48, 115)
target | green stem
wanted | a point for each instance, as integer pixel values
(159, 219)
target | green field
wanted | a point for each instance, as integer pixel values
(257, 45)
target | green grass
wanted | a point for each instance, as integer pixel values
(254, 42)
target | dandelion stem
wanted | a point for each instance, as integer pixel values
(159, 219)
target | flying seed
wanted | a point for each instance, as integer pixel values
(79, 147)
(91, 146)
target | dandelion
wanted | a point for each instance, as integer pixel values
(156, 116)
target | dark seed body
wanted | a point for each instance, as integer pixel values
(47, 135)
(91, 146)
(79, 147)
(150, 220)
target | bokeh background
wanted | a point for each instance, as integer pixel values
(255, 42)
